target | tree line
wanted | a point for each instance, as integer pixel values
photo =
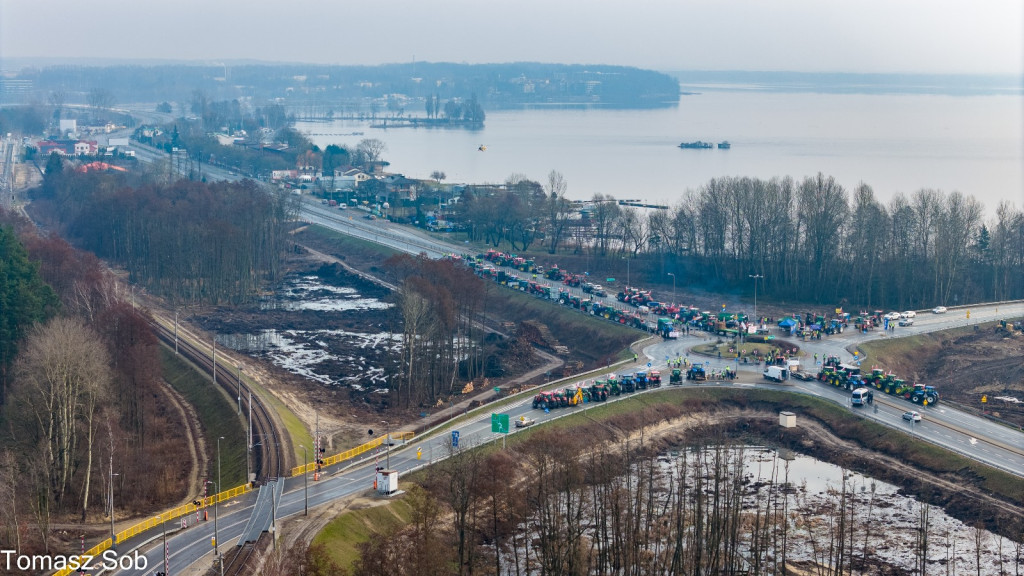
(602, 498)
(809, 240)
(191, 242)
(441, 342)
(81, 394)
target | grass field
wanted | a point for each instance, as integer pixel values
(343, 535)
(218, 416)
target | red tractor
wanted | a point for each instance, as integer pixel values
(546, 400)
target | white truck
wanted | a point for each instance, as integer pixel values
(776, 373)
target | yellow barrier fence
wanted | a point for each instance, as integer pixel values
(158, 520)
(352, 453)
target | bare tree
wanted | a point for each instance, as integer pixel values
(61, 373)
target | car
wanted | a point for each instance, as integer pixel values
(939, 310)
(370, 217)
(893, 315)
(523, 422)
(908, 314)
(907, 322)
(912, 416)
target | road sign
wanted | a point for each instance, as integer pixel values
(648, 364)
(455, 438)
(984, 398)
(499, 423)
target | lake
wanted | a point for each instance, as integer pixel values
(893, 142)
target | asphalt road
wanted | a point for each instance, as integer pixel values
(978, 438)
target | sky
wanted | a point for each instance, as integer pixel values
(863, 36)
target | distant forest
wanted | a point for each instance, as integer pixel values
(495, 86)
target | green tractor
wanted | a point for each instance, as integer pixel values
(676, 377)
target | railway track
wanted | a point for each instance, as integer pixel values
(268, 460)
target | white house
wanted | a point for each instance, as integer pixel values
(349, 179)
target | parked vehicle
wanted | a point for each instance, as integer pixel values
(776, 373)
(523, 422)
(907, 322)
(939, 310)
(862, 397)
(912, 416)
(676, 377)
(696, 373)
(908, 314)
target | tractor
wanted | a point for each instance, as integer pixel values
(627, 383)
(599, 391)
(546, 400)
(676, 377)
(641, 380)
(696, 373)
(654, 379)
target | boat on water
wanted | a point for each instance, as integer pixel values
(724, 145)
(698, 145)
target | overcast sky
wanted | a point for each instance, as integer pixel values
(927, 36)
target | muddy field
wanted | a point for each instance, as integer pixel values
(327, 330)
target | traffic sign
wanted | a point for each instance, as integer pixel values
(455, 438)
(499, 423)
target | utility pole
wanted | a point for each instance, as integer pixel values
(387, 440)
(175, 332)
(756, 277)
(113, 535)
(305, 482)
(215, 361)
(216, 532)
(239, 388)
(163, 523)
(248, 446)
(674, 289)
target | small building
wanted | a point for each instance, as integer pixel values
(787, 419)
(349, 179)
(386, 482)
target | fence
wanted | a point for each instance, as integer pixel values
(351, 453)
(158, 520)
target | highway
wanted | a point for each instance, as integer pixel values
(975, 437)
(983, 440)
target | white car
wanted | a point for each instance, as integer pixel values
(893, 315)
(523, 422)
(908, 314)
(912, 416)
(939, 310)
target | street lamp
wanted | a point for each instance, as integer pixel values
(113, 536)
(305, 481)
(755, 277)
(387, 440)
(239, 388)
(218, 461)
(673, 287)
(216, 532)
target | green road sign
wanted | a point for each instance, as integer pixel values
(499, 423)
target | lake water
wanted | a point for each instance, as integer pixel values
(893, 142)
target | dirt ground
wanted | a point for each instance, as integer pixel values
(966, 364)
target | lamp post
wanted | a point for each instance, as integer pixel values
(239, 388)
(755, 277)
(673, 287)
(163, 524)
(387, 440)
(218, 461)
(305, 482)
(113, 535)
(216, 532)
